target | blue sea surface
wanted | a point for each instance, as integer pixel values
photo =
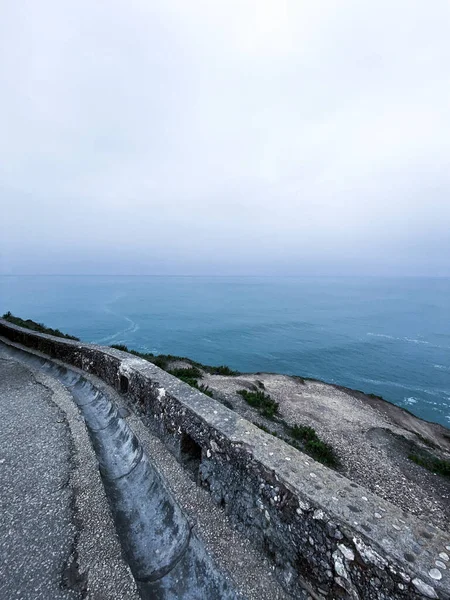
(386, 336)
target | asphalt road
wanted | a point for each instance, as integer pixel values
(36, 520)
(57, 538)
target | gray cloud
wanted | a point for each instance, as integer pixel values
(225, 137)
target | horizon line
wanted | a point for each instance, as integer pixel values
(387, 276)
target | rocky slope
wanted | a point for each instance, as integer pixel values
(375, 442)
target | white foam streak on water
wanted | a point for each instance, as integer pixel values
(133, 327)
(414, 341)
(409, 401)
(382, 335)
(401, 339)
(400, 385)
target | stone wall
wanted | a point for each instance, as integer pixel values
(322, 531)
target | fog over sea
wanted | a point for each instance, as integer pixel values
(387, 336)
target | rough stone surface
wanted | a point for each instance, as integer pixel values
(296, 510)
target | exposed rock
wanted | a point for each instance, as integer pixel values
(424, 588)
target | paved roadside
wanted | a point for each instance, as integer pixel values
(57, 539)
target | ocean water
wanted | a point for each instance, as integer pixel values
(382, 335)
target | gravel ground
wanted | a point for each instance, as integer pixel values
(371, 437)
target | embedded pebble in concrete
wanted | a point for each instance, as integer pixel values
(444, 556)
(424, 588)
(349, 554)
(435, 574)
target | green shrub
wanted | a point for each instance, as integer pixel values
(305, 440)
(312, 444)
(189, 380)
(191, 372)
(432, 463)
(261, 401)
(120, 347)
(160, 361)
(303, 433)
(163, 362)
(190, 375)
(39, 327)
(321, 451)
(220, 370)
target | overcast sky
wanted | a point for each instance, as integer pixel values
(225, 137)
